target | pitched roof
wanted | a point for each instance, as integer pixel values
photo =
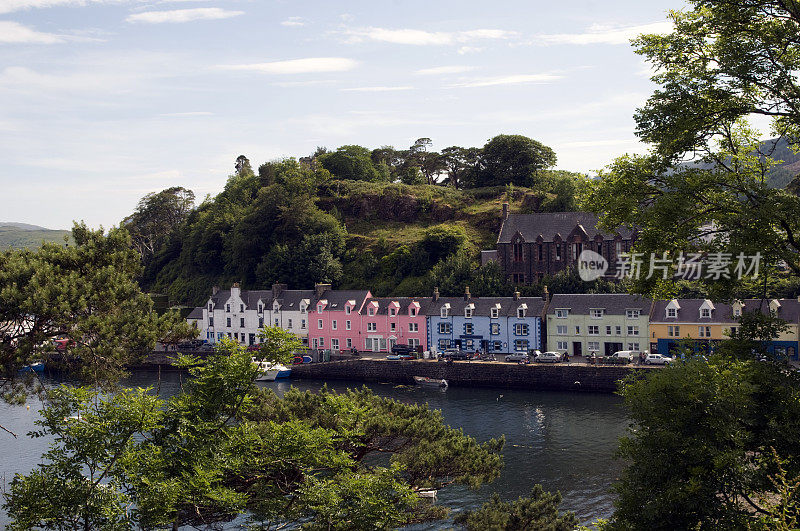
(723, 312)
(196, 313)
(289, 299)
(337, 298)
(404, 302)
(548, 224)
(221, 297)
(612, 303)
(483, 305)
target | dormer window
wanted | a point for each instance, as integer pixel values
(392, 312)
(495, 313)
(705, 312)
(412, 312)
(596, 313)
(371, 311)
(520, 312)
(227, 308)
(241, 307)
(562, 313)
(632, 313)
(348, 309)
(672, 312)
(320, 307)
(468, 311)
(260, 308)
(445, 310)
(210, 307)
(737, 312)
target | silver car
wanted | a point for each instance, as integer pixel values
(549, 357)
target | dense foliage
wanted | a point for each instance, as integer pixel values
(538, 512)
(223, 448)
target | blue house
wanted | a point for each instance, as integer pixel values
(499, 325)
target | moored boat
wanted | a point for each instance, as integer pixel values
(33, 367)
(271, 371)
(430, 382)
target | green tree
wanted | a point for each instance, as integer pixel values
(85, 293)
(539, 512)
(514, 159)
(429, 162)
(155, 217)
(461, 165)
(350, 162)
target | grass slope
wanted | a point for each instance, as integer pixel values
(24, 236)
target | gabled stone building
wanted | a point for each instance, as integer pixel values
(531, 246)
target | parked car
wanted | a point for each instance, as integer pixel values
(518, 357)
(404, 349)
(548, 357)
(206, 347)
(455, 354)
(624, 354)
(656, 359)
(396, 357)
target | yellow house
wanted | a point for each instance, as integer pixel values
(705, 322)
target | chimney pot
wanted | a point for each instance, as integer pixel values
(215, 290)
(516, 295)
(505, 210)
(467, 294)
(319, 289)
(436, 294)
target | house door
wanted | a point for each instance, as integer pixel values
(612, 348)
(576, 348)
(251, 339)
(376, 344)
(392, 342)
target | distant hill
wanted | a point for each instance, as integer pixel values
(15, 235)
(783, 174)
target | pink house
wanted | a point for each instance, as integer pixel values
(334, 320)
(386, 322)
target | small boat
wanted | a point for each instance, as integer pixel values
(271, 372)
(33, 367)
(430, 382)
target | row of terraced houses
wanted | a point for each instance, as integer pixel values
(339, 320)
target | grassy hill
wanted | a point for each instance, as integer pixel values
(22, 235)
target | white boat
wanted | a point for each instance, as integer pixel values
(271, 371)
(430, 382)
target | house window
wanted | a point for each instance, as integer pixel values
(632, 314)
(561, 330)
(468, 313)
(413, 327)
(413, 312)
(413, 342)
(577, 249)
(260, 309)
(561, 345)
(241, 307)
(495, 313)
(732, 331)
(596, 314)
(705, 312)
(517, 252)
(672, 312)
(322, 342)
(633, 330)
(540, 251)
(494, 329)
(347, 309)
(392, 312)
(618, 330)
(593, 346)
(372, 327)
(227, 308)
(276, 322)
(618, 248)
(302, 324)
(241, 322)
(521, 345)
(228, 322)
(349, 343)
(518, 278)
(319, 324)
(210, 307)
(442, 344)
(393, 327)
(737, 312)
(705, 331)
(371, 311)
(520, 313)
(558, 251)
(443, 312)
(674, 331)
(335, 344)
(444, 328)
(608, 330)
(562, 313)
(520, 329)
(496, 345)
(577, 330)
(320, 307)
(334, 325)
(210, 321)
(633, 346)
(290, 323)
(468, 328)
(594, 330)
(347, 325)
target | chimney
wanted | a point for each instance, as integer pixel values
(319, 289)
(215, 290)
(236, 291)
(436, 294)
(277, 290)
(467, 295)
(505, 210)
(546, 294)
(516, 295)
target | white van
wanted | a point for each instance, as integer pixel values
(625, 354)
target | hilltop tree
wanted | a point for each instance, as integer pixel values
(461, 165)
(429, 162)
(350, 162)
(513, 159)
(156, 216)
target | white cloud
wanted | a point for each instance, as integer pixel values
(424, 38)
(9, 6)
(294, 22)
(441, 70)
(14, 33)
(597, 34)
(183, 15)
(187, 114)
(516, 79)
(298, 66)
(376, 89)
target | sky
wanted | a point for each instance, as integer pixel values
(104, 101)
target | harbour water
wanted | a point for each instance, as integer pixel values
(565, 441)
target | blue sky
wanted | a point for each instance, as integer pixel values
(103, 101)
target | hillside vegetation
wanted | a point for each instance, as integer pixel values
(24, 236)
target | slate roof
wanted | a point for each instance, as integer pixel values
(384, 302)
(723, 312)
(483, 305)
(221, 297)
(196, 313)
(289, 299)
(251, 298)
(548, 224)
(612, 303)
(337, 299)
